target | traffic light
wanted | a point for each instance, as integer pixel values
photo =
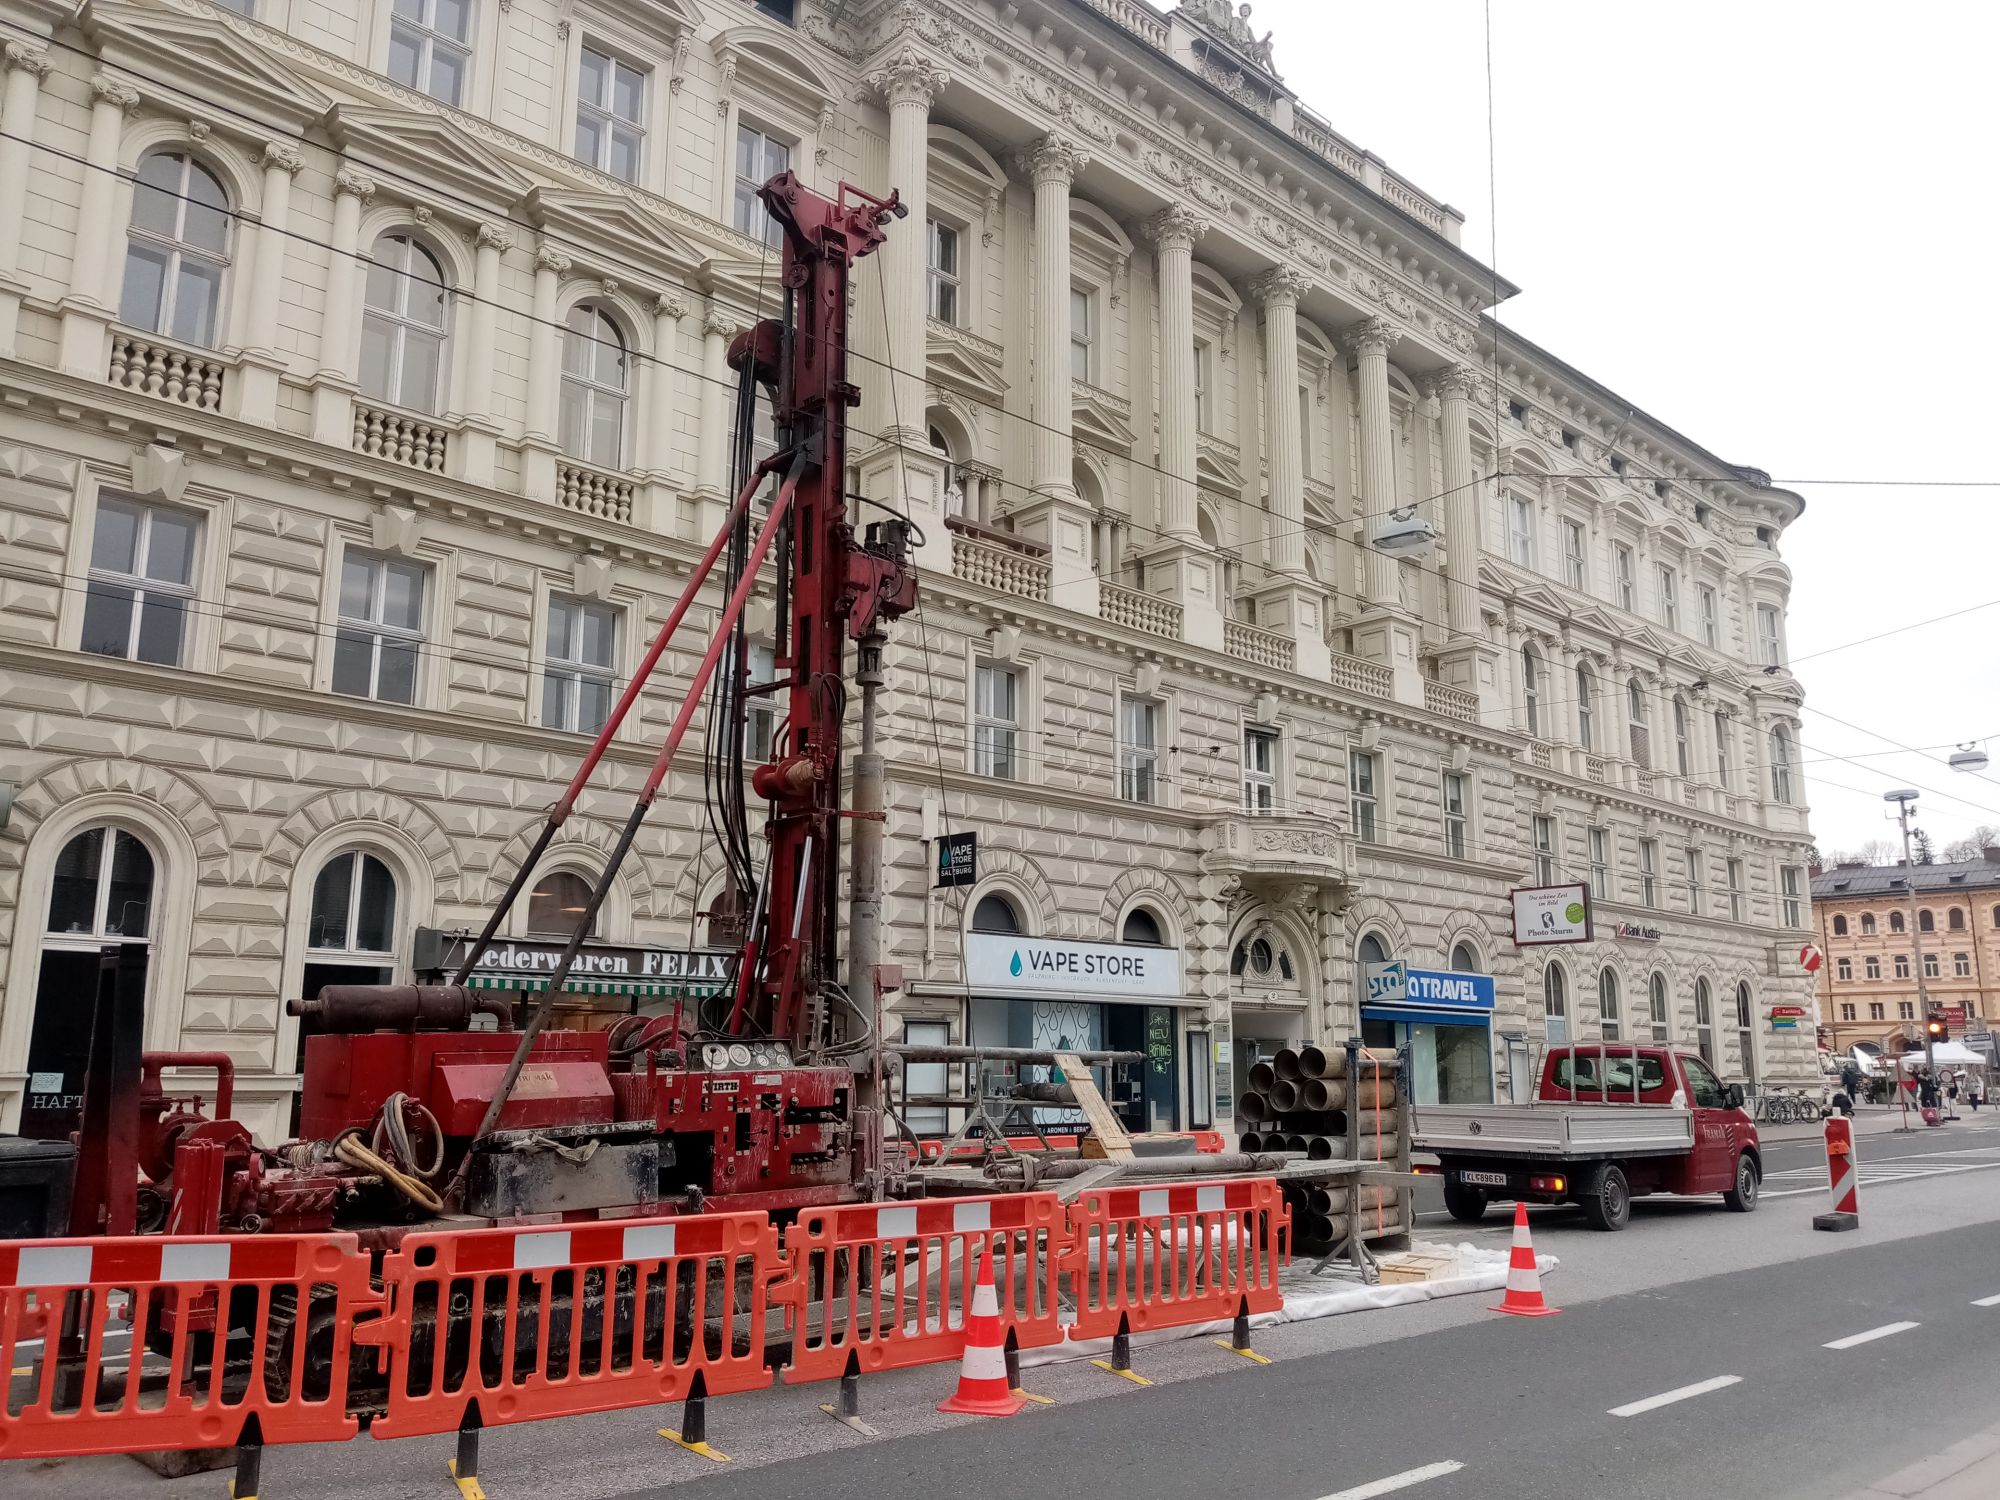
(1936, 1030)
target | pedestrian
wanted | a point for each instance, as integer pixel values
(1975, 1090)
(1850, 1080)
(1952, 1092)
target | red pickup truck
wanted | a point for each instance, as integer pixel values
(1609, 1123)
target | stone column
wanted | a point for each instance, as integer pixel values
(1386, 632)
(478, 437)
(253, 394)
(1517, 682)
(88, 308)
(25, 67)
(538, 443)
(1291, 601)
(1053, 515)
(340, 326)
(903, 466)
(658, 442)
(718, 383)
(1464, 661)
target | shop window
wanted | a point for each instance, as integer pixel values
(141, 582)
(557, 902)
(177, 249)
(994, 913)
(1141, 926)
(380, 633)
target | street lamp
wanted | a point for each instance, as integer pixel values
(1903, 797)
(1968, 757)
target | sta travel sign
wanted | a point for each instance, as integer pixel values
(1004, 964)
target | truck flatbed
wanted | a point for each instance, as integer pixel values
(1552, 1132)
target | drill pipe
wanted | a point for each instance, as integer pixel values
(1225, 1164)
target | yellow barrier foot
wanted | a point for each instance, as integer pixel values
(234, 1496)
(846, 1419)
(1132, 1375)
(1031, 1396)
(1250, 1354)
(468, 1485)
(700, 1450)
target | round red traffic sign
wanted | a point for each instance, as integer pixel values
(1810, 958)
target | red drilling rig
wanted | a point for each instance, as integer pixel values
(762, 1099)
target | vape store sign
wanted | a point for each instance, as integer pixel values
(1004, 964)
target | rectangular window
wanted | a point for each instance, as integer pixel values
(1847, 1010)
(1843, 969)
(761, 711)
(1260, 770)
(1875, 1012)
(1521, 517)
(1138, 750)
(1649, 872)
(1732, 874)
(1769, 649)
(1722, 748)
(1204, 386)
(1082, 333)
(381, 629)
(1906, 1010)
(1961, 965)
(141, 582)
(1930, 966)
(430, 47)
(1791, 895)
(576, 672)
(759, 158)
(1454, 814)
(926, 1081)
(1361, 794)
(1624, 586)
(996, 721)
(1902, 966)
(610, 114)
(1308, 457)
(1871, 968)
(1545, 849)
(1669, 585)
(1600, 863)
(1573, 573)
(1683, 755)
(1711, 619)
(1694, 880)
(943, 268)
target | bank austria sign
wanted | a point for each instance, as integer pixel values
(1043, 968)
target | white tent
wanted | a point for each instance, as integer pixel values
(1948, 1054)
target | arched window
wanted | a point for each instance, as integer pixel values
(596, 372)
(1663, 1030)
(1141, 926)
(1263, 958)
(1531, 687)
(102, 886)
(177, 249)
(1955, 920)
(558, 899)
(954, 482)
(1781, 765)
(1868, 923)
(1746, 1035)
(1371, 949)
(1555, 1005)
(1586, 712)
(403, 325)
(1926, 922)
(1840, 926)
(1704, 1021)
(1635, 722)
(1465, 959)
(353, 906)
(995, 913)
(1607, 1003)
(1683, 757)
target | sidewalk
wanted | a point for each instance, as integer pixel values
(1968, 1470)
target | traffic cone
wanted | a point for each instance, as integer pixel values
(1524, 1279)
(982, 1376)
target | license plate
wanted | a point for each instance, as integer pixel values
(1484, 1179)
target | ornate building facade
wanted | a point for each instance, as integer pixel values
(366, 403)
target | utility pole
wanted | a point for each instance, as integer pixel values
(1903, 797)
(864, 907)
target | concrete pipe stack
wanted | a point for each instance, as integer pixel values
(1303, 1102)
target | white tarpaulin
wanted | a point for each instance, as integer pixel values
(1952, 1054)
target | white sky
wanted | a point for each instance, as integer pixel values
(1769, 223)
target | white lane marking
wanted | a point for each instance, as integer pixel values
(1987, 1302)
(1871, 1335)
(1668, 1398)
(1396, 1482)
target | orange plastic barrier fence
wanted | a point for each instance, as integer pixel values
(1164, 1256)
(120, 1339)
(558, 1321)
(889, 1283)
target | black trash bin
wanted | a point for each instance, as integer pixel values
(35, 1182)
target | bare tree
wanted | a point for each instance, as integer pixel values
(1878, 852)
(1973, 846)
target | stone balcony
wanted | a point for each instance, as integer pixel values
(1282, 857)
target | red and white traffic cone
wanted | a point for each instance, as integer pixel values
(1842, 1177)
(1524, 1278)
(982, 1376)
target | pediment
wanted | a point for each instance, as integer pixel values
(201, 65)
(743, 290)
(1097, 416)
(1594, 617)
(1547, 600)
(1649, 641)
(1216, 468)
(615, 222)
(956, 359)
(428, 155)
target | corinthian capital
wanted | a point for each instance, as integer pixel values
(548, 258)
(354, 184)
(103, 86)
(28, 59)
(1176, 227)
(717, 323)
(668, 305)
(283, 157)
(1053, 160)
(908, 77)
(493, 237)
(1281, 286)
(1453, 382)
(1371, 336)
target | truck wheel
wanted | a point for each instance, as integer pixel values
(1607, 1200)
(1742, 1198)
(1465, 1204)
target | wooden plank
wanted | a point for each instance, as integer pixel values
(1113, 1144)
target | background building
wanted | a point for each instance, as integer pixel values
(1867, 988)
(366, 403)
